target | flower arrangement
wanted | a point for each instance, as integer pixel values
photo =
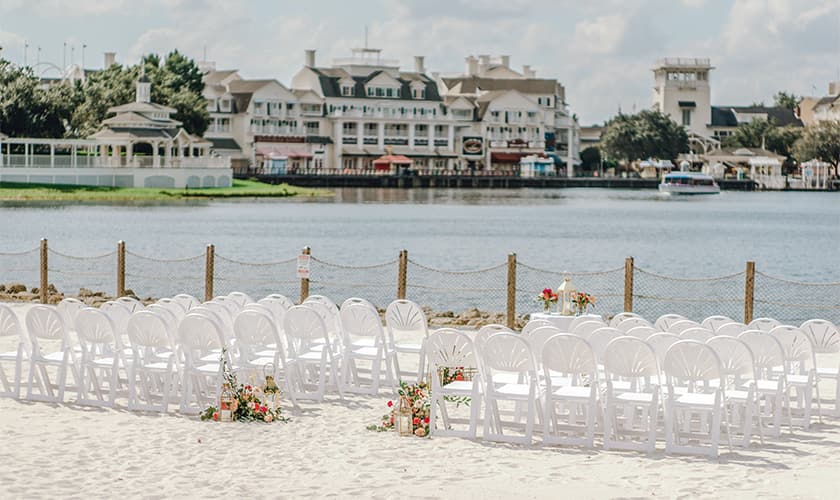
(547, 297)
(247, 400)
(418, 398)
(583, 300)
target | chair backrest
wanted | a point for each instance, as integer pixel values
(254, 331)
(405, 318)
(199, 335)
(537, 338)
(360, 320)
(766, 349)
(713, 322)
(231, 305)
(176, 308)
(680, 326)
(332, 320)
(302, 325)
(641, 332)
(321, 299)
(494, 327)
(148, 330)
(534, 324)
(618, 318)
(732, 329)
(586, 318)
(282, 298)
(697, 333)
(600, 338)
(223, 313)
(240, 298)
(169, 319)
(825, 334)
(509, 353)
(131, 303)
(633, 322)
(68, 308)
(278, 309)
(736, 357)
(586, 328)
(10, 326)
(666, 320)
(796, 344)
(568, 354)
(448, 347)
(631, 358)
(661, 342)
(764, 324)
(357, 300)
(94, 327)
(691, 361)
(44, 322)
(186, 300)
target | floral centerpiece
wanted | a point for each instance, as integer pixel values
(247, 404)
(582, 301)
(547, 297)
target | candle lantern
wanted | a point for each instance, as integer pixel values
(226, 404)
(271, 393)
(566, 292)
(405, 425)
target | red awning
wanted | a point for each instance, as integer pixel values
(280, 150)
(393, 160)
(506, 157)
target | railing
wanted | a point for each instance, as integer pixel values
(84, 161)
(684, 61)
(508, 289)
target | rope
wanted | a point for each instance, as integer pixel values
(800, 283)
(164, 278)
(804, 306)
(21, 270)
(187, 259)
(340, 266)
(718, 278)
(687, 299)
(447, 289)
(595, 273)
(345, 284)
(13, 254)
(71, 273)
(457, 272)
(76, 257)
(597, 296)
(255, 264)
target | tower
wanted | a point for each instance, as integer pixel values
(144, 87)
(681, 90)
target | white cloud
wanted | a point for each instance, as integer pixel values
(601, 35)
(694, 4)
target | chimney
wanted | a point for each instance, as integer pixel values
(483, 63)
(310, 58)
(505, 61)
(472, 66)
(110, 59)
(834, 88)
(527, 72)
(418, 64)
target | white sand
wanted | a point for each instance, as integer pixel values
(68, 450)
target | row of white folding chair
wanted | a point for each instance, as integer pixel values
(826, 338)
(13, 335)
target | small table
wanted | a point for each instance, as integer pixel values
(563, 322)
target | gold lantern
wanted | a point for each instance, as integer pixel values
(404, 420)
(226, 404)
(271, 393)
(566, 293)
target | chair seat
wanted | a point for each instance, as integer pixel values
(834, 372)
(261, 361)
(54, 356)
(765, 386)
(311, 356)
(512, 390)
(573, 392)
(367, 352)
(695, 399)
(207, 368)
(799, 380)
(735, 395)
(364, 342)
(11, 355)
(505, 378)
(635, 397)
(106, 362)
(459, 387)
(155, 366)
(408, 347)
(267, 353)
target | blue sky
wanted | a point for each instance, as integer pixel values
(601, 50)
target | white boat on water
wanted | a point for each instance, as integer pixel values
(688, 183)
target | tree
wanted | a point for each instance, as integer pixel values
(821, 142)
(590, 158)
(647, 134)
(26, 108)
(784, 100)
(764, 134)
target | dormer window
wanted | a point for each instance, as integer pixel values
(347, 90)
(224, 104)
(211, 105)
(370, 91)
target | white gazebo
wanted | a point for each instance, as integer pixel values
(815, 174)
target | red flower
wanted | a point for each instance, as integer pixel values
(547, 291)
(247, 387)
(416, 421)
(426, 420)
(263, 409)
(216, 416)
(390, 404)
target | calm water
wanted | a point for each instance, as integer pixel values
(794, 235)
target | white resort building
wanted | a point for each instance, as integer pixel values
(140, 146)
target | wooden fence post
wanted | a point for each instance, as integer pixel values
(120, 268)
(628, 284)
(304, 282)
(209, 269)
(401, 277)
(45, 278)
(749, 292)
(511, 291)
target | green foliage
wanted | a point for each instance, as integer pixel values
(821, 142)
(764, 134)
(590, 158)
(647, 134)
(27, 109)
(784, 100)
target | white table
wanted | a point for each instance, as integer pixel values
(562, 322)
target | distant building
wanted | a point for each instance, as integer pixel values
(813, 110)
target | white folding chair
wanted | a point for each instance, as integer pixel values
(153, 367)
(663, 322)
(678, 327)
(357, 300)
(800, 371)
(534, 324)
(600, 338)
(509, 353)
(101, 360)
(365, 341)
(826, 338)
(634, 412)
(407, 331)
(68, 308)
(618, 318)
(131, 303)
(713, 322)
(313, 355)
(641, 332)
(278, 308)
(585, 329)
(697, 333)
(12, 334)
(586, 318)
(573, 359)
(223, 314)
(260, 351)
(201, 339)
(661, 342)
(763, 324)
(186, 300)
(451, 353)
(699, 412)
(633, 322)
(738, 382)
(232, 306)
(47, 332)
(732, 329)
(771, 387)
(240, 298)
(175, 307)
(282, 298)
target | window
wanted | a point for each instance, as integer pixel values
(312, 128)
(349, 128)
(421, 129)
(224, 104)
(371, 129)
(259, 107)
(462, 114)
(441, 131)
(370, 91)
(422, 93)
(686, 117)
(494, 115)
(347, 90)
(349, 163)
(211, 105)
(380, 92)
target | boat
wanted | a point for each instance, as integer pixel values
(688, 183)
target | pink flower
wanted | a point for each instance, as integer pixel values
(390, 404)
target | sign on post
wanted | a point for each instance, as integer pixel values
(303, 266)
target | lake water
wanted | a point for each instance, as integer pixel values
(788, 234)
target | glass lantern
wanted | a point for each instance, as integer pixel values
(566, 293)
(226, 404)
(404, 420)
(271, 393)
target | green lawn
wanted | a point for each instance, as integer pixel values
(240, 189)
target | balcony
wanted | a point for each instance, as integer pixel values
(349, 139)
(283, 131)
(396, 141)
(370, 140)
(680, 62)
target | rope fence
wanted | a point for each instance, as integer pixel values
(504, 293)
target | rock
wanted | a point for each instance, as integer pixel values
(2, 288)
(36, 290)
(84, 292)
(439, 321)
(51, 288)
(55, 299)
(16, 288)
(130, 293)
